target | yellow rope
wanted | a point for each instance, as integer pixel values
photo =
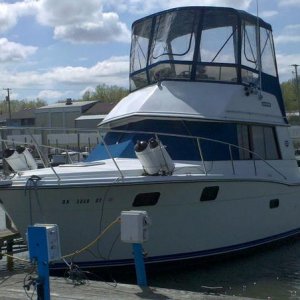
(76, 252)
(16, 258)
(117, 220)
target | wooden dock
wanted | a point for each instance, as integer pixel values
(7, 238)
(11, 288)
(11, 242)
(8, 234)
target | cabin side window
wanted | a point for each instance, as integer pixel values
(140, 43)
(259, 139)
(250, 52)
(267, 52)
(249, 48)
(139, 53)
(243, 141)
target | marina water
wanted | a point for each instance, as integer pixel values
(272, 273)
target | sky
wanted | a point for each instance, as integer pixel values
(58, 49)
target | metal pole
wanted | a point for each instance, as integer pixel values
(201, 155)
(139, 264)
(297, 87)
(38, 252)
(8, 100)
(44, 247)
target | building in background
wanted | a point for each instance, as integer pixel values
(23, 118)
(61, 115)
(68, 125)
(94, 115)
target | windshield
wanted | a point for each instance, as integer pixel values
(199, 44)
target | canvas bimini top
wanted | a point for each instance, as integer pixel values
(211, 44)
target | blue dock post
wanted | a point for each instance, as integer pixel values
(139, 265)
(44, 246)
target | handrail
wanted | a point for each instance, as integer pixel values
(111, 156)
(39, 153)
(255, 156)
(198, 139)
(201, 155)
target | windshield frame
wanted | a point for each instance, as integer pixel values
(175, 66)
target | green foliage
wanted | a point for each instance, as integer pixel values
(289, 93)
(106, 93)
(17, 105)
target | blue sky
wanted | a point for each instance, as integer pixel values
(56, 49)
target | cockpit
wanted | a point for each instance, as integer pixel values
(209, 44)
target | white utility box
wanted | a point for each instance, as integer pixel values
(44, 238)
(54, 251)
(134, 226)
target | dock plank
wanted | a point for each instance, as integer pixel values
(11, 288)
(8, 234)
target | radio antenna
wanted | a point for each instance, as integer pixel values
(258, 51)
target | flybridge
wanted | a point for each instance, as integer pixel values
(210, 44)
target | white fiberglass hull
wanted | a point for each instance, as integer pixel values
(182, 226)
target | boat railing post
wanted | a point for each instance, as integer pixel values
(112, 158)
(78, 146)
(45, 163)
(254, 164)
(69, 158)
(259, 158)
(38, 149)
(3, 139)
(201, 155)
(161, 150)
(231, 158)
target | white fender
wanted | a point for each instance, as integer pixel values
(154, 157)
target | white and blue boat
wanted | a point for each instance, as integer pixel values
(201, 143)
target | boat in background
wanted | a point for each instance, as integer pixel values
(67, 157)
(201, 143)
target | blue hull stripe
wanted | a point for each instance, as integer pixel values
(182, 256)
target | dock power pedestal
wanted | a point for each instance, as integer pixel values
(135, 230)
(44, 247)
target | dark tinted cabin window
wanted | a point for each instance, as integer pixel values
(259, 139)
(274, 203)
(146, 199)
(209, 193)
(264, 142)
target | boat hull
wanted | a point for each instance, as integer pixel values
(244, 214)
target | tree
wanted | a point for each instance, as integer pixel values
(17, 105)
(87, 96)
(289, 93)
(106, 93)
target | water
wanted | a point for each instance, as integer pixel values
(267, 274)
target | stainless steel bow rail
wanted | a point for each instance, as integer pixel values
(255, 157)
